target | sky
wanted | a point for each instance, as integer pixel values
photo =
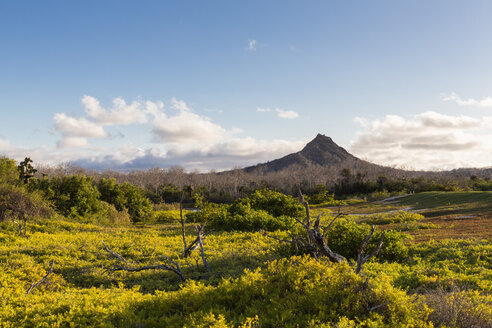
(213, 85)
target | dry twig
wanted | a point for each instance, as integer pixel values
(34, 285)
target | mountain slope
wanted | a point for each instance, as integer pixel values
(321, 151)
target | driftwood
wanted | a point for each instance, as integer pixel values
(174, 267)
(34, 285)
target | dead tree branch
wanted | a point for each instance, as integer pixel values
(315, 242)
(339, 214)
(182, 223)
(166, 267)
(118, 256)
(195, 243)
(361, 259)
(306, 206)
(176, 269)
(199, 231)
(34, 285)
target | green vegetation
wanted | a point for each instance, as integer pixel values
(118, 260)
(433, 200)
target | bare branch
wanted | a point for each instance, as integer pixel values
(34, 285)
(199, 232)
(276, 238)
(316, 223)
(176, 270)
(118, 256)
(376, 307)
(182, 223)
(194, 245)
(361, 259)
(339, 214)
(306, 206)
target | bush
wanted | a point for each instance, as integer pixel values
(299, 291)
(275, 203)
(242, 215)
(388, 218)
(9, 174)
(108, 215)
(168, 216)
(73, 196)
(16, 203)
(126, 197)
(460, 309)
(251, 221)
(345, 237)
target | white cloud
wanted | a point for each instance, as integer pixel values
(180, 105)
(286, 114)
(433, 119)
(183, 138)
(484, 102)
(120, 113)
(217, 156)
(187, 127)
(252, 44)
(427, 141)
(78, 127)
(73, 142)
(190, 130)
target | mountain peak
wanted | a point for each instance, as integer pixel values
(322, 150)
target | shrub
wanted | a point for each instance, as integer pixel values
(168, 216)
(251, 221)
(9, 174)
(108, 215)
(460, 309)
(345, 237)
(18, 203)
(74, 195)
(299, 291)
(126, 197)
(241, 215)
(388, 218)
(275, 203)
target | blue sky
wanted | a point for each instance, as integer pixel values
(217, 84)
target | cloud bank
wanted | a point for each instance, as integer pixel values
(483, 103)
(171, 136)
(428, 140)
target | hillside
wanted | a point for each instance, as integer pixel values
(321, 151)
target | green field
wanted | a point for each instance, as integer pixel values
(75, 252)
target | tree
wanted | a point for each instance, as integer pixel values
(9, 173)
(126, 197)
(26, 170)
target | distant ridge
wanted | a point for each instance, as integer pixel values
(321, 151)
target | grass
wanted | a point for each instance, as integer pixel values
(461, 200)
(464, 214)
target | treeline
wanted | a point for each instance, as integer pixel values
(116, 197)
(80, 197)
(165, 185)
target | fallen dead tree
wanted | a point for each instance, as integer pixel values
(171, 266)
(314, 240)
(34, 285)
